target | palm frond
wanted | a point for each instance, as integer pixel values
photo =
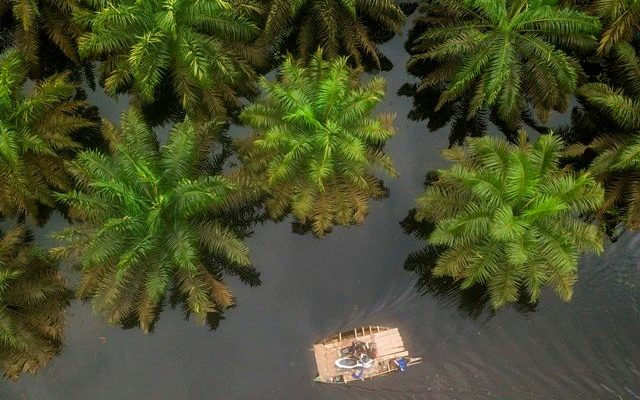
(148, 222)
(33, 297)
(510, 217)
(509, 55)
(315, 146)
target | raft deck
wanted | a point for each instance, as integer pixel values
(386, 343)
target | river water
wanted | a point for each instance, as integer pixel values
(586, 349)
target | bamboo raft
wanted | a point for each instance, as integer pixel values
(386, 343)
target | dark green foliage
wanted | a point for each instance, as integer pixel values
(197, 45)
(505, 55)
(32, 302)
(151, 224)
(617, 146)
(618, 166)
(35, 137)
(454, 116)
(510, 218)
(340, 27)
(40, 19)
(621, 19)
(315, 145)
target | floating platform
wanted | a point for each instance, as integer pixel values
(386, 346)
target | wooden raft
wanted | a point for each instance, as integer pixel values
(386, 343)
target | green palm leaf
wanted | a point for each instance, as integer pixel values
(149, 224)
(621, 20)
(510, 218)
(509, 54)
(340, 27)
(40, 23)
(614, 111)
(198, 46)
(315, 146)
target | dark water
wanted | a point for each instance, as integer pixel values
(586, 349)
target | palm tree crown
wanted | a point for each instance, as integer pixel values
(35, 131)
(509, 217)
(149, 224)
(503, 53)
(314, 143)
(196, 44)
(617, 163)
(32, 302)
(340, 27)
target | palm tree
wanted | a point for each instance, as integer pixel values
(197, 45)
(507, 54)
(150, 223)
(340, 27)
(314, 144)
(621, 20)
(32, 302)
(510, 217)
(35, 136)
(617, 146)
(37, 19)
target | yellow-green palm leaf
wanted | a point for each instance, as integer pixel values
(621, 20)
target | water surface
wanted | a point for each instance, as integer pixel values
(586, 349)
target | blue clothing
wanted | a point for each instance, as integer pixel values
(401, 363)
